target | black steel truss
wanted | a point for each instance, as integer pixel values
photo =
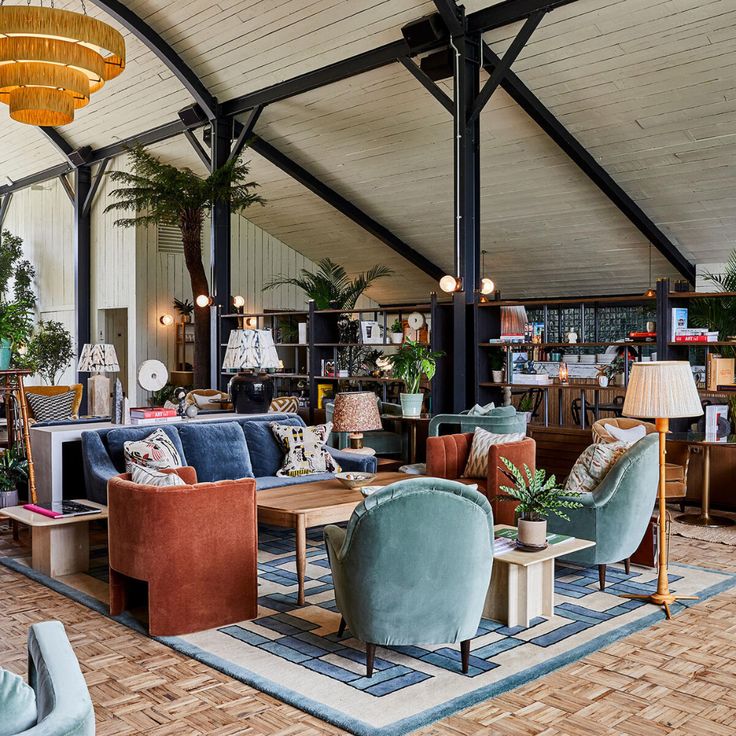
(96, 181)
(204, 157)
(429, 84)
(245, 133)
(4, 204)
(67, 187)
(58, 141)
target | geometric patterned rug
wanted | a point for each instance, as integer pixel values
(293, 652)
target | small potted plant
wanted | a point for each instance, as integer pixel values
(15, 329)
(185, 309)
(397, 332)
(497, 360)
(526, 407)
(412, 361)
(538, 497)
(612, 373)
(13, 468)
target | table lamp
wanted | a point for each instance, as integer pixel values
(98, 359)
(662, 390)
(251, 353)
(356, 412)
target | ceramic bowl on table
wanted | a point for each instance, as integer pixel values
(355, 480)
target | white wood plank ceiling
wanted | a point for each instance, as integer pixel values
(648, 86)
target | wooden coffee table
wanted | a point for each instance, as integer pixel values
(305, 505)
(523, 583)
(58, 546)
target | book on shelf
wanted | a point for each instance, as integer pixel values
(719, 372)
(537, 379)
(705, 337)
(679, 319)
(155, 420)
(148, 412)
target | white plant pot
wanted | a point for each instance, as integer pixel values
(603, 381)
(397, 338)
(497, 376)
(527, 416)
(411, 404)
(8, 498)
(619, 380)
(533, 533)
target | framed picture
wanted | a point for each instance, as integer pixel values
(371, 333)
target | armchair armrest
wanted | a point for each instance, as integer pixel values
(447, 455)
(98, 467)
(334, 540)
(354, 460)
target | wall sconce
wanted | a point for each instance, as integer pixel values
(204, 300)
(563, 372)
(166, 320)
(450, 284)
(238, 302)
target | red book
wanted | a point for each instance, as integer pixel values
(144, 412)
(694, 338)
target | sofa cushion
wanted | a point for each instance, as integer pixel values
(154, 451)
(17, 705)
(218, 451)
(274, 481)
(306, 453)
(477, 465)
(150, 477)
(116, 439)
(266, 454)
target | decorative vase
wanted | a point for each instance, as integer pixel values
(6, 350)
(497, 376)
(397, 338)
(8, 498)
(533, 533)
(603, 381)
(411, 404)
(572, 336)
(251, 393)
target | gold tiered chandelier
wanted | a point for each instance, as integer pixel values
(52, 60)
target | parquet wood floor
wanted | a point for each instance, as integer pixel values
(675, 678)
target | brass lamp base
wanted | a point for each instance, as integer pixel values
(703, 520)
(356, 441)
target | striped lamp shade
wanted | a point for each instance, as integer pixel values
(663, 389)
(250, 350)
(98, 358)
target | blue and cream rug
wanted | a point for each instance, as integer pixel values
(294, 652)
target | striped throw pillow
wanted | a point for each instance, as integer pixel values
(150, 477)
(477, 465)
(51, 408)
(593, 465)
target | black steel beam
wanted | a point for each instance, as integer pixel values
(58, 141)
(509, 11)
(245, 132)
(347, 208)
(37, 178)
(541, 115)
(97, 180)
(150, 38)
(511, 55)
(67, 187)
(451, 15)
(147, 138)
(82, 261)
(204, 157)
(4, 205)
(429, 84)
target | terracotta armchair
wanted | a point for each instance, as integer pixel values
(195, 545)
(447, 456)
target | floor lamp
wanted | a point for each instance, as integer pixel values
(662, 390)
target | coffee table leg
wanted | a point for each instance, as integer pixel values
(301, 555)
(60, 550)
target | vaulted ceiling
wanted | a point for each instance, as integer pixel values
(647, 86)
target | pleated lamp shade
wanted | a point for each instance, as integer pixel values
(356, 411)
(663, 389)
(98, 358)
(250, 350)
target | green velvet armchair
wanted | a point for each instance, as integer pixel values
(413, 565)
(615, 515)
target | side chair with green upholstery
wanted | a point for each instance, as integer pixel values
(413, 565)
(616, 513)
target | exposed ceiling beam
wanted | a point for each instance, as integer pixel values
(204, 157)
(509, 11)
(429, 84)
(67, 187)
(4, 205)
(541, 115)
(147, 138)
(451, 15)
(245, 133)
(96, 181)
(347, 208)
(58, 141)
(178, 67)
(36, 178)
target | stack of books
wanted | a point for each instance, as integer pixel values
(682, 333)
(153, 415)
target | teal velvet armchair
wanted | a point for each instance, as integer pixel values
(615, 515)
(501, 420)
(413, 565)
(383, 441)
(57, 703)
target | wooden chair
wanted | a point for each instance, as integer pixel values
(56, 391)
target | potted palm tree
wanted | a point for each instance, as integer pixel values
(155, 193)
(538, 497)
(412, 361)
(13, 468)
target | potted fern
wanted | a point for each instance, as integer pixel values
(538, 497)
(410, 363)
(13, 468)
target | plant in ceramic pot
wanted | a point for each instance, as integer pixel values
(538, 497)
(526, 406)
(185, 309)
(497, 361)
(397, 332)
(410, 363)
(13, 468)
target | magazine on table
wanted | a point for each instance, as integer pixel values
(503, 536)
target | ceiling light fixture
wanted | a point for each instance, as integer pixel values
(204, 300)
(52, 60)
(450, 284)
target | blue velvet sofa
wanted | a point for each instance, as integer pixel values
(238, 446)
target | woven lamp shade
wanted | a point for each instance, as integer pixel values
(52, 60)
(98, 358)
(662, 389)
(356, 411)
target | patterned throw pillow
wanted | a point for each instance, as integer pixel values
(156, 451)
(593, 465)
(477, 465)
(51, 408)
(628, 436)
(150, 477)
(305, 450)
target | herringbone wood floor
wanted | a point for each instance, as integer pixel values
(675, 678)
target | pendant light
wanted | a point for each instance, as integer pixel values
(487, 286)
(52, 60)
(650, 293)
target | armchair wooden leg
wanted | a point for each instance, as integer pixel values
(370, 655)
(465, 655)
(602, 576)
(341, 628)
(627, 565)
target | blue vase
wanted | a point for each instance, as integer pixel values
(6, 350)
